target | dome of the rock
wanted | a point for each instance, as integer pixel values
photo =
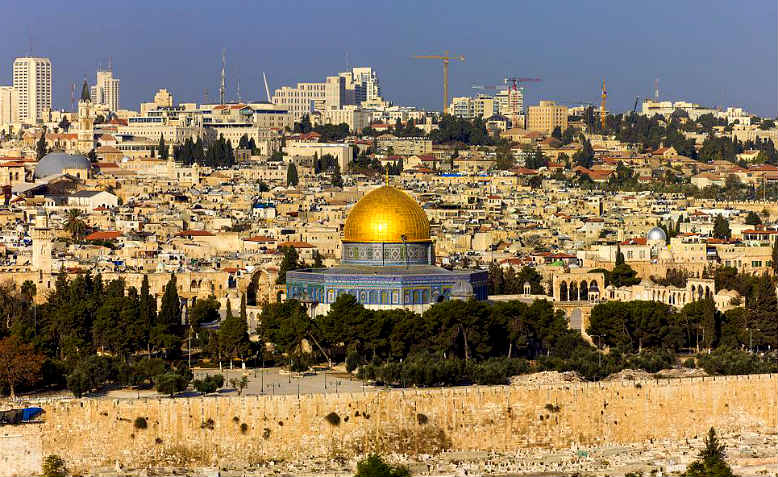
(386, 215)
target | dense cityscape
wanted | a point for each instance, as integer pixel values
(322, 243)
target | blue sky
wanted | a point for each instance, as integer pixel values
(716, 53)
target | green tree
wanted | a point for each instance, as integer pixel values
(233, 336)
(337, 179)
(20, 364)
(775, 257)
(166, 331)
(374, 466)
(74, 224)
(40, 146)
(291, 175)
(289, 262)
(721, 228)
(753, 218)
(147, 309)
(54, 466)
(711, 461)
(170, 383)
(557, 133)
(162, 148)
(205, 310)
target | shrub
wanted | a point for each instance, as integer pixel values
(244, 428)
(170, 383)
(209, 384)
(733, 361)
(53, 466)
(690, 363)
(353, 360)
(552, 408)
(333, 419)
(140, 423)
(421, 419)
(374, 466)
(266, 433)
(208, 424)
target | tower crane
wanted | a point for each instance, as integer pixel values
(446, 59)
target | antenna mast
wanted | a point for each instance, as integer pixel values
(656, 89)
(221, 86)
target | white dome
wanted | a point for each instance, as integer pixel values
(656, 234)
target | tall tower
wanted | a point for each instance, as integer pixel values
(41, 243)
(106, 89)
(32, 82)
(86, 132)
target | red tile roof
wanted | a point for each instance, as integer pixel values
(194, 233)
(104, 235)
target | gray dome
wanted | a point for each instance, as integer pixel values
(55, 162)
(656, 234)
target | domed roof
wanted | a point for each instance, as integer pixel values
(387, 214)
(656, 234)
(55, 162)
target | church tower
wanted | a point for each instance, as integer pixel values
(86, 131)
(41, 243)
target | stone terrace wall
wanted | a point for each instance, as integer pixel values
(209, 431)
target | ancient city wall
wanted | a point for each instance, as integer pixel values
(239, 431)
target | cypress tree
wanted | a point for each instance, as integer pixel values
(291, 175)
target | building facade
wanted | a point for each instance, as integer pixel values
(105, 92)
(32, 82)
(546, 116)
(8, 102)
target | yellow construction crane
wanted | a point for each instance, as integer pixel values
(602, 106)
(445, 59)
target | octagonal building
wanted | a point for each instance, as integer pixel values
(388, 261)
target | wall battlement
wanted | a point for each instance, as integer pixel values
(235, 432)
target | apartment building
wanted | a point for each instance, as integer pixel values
(480, 106)
(105, 92)
(356, 118)
(8, 101)
(546, 116)
(405, 146)
(308, 97)
(32, 82)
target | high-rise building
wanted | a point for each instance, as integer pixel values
(32, 82)
(479, 106)
(368, 78)
(106, 90)
(510, 102)
(7, 105)
(547, 116)
(307, 97)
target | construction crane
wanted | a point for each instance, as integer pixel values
(602, 105)
(517, 80)
(446, 59)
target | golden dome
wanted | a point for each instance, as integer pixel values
(385, 215)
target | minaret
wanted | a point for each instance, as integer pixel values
(85, 124)
(41, 243)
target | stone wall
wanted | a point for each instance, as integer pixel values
(235, 432)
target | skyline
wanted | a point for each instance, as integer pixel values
(188, 61)
(696, 54)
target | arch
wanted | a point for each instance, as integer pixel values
(384, 298)
(573, 291)
(707, 292)
(563, 296)
(425, 296)
(194, 285)
(416, 297)
(373, 297)
(363, 297)
(584, 291)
